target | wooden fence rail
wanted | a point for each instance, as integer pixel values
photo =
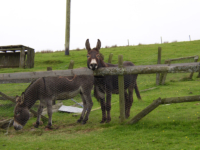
(160, 101)
(120, 71)
(170, 61)
(143, 69)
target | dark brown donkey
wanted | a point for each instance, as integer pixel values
(53, 88)
(109, 84)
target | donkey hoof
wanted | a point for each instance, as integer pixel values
(36, 125)
(48, 127)
(103, 121)
(78, 121)
(84, 122)
(107, 121)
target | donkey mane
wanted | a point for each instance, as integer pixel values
(32, 84)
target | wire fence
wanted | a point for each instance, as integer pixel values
(49, 89)
(20, 101)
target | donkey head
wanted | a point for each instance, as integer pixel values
(94, 60)
(21, 113)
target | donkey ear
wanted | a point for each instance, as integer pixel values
(98, 44)
(18, 99)
(87, 45)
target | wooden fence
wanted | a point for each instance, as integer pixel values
(160, 101)
(143, 69)
(120, 71)
(170, 61)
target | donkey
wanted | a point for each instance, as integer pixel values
(109, 84)
(46, 90)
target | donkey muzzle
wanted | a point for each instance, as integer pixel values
(93, 66)
(17, 126)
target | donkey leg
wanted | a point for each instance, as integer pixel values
(49, 111)
(89, 104)
(84, 109)
(129, 100)
(103, 109)
(39, 112)
(126, 103)
(108, 106)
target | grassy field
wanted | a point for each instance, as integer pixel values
(174, 126)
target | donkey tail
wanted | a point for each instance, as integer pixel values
(137, 92)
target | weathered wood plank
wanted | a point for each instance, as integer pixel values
(182, 58)
(148, 69)
(5, 81)
(159, 101)
(110, 58)
(121, 90)
(22, 58)
(170, 61)
(191, 74)
(180, 99)
(28, 60)
(71, 64)
(3, 98)
(146, 111)
(4, 124)
(158, 62)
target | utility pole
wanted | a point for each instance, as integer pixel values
(67, 30)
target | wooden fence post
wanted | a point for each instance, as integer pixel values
(49, 68)
(121, 90)
(159, 62)
(195, 60)
(71, 65)
(110, 58)
(164, 75)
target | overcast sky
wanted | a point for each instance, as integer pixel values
(40, 24)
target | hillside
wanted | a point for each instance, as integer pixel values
(174, 126)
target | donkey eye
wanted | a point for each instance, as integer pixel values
(18, 113)
(98, 56)
(88, 56)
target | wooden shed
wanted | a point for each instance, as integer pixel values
(14, 56)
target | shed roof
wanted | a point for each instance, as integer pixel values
(14, 47)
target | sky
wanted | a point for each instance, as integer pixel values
(40, 24)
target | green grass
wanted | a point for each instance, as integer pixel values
(174, 126)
